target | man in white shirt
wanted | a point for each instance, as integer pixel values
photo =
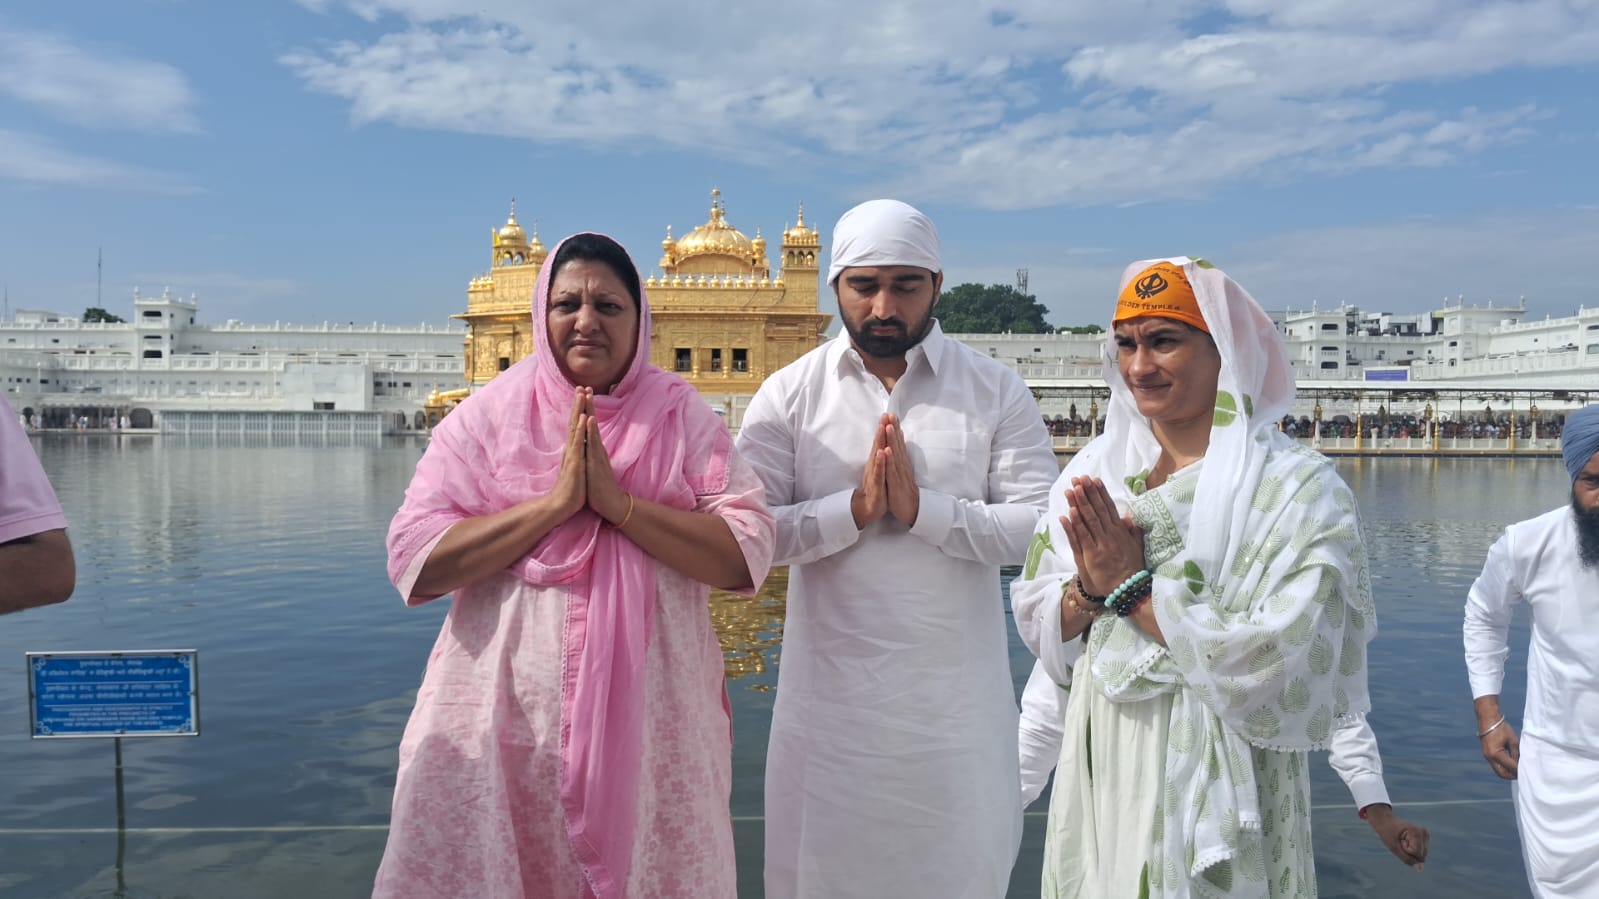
(903, 469)
(1352, 753)
(1552, 563)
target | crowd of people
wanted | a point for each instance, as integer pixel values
(1378, 425)
(58, 419)
(1194, 586)
(1485, 425)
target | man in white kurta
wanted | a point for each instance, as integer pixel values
(892, 768)
(1551, 563)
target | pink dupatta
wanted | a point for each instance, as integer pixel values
(503, 446)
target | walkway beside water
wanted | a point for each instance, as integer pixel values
(1400, 447)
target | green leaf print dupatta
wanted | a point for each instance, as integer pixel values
(1261, 591)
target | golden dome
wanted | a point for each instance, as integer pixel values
(668, 250)
(510, 232)
(800, 234)
(536, 251)
(714, 238)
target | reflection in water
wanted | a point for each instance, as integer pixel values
(270, 560)
(750, 625)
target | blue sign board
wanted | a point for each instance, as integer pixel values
(1387, 374)
(114, 694)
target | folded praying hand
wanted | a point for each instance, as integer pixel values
(888, 486)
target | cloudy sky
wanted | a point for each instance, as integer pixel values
(345, 159)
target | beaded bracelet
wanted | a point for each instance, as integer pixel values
(1137, 578)
(1083, 609)
(1129, 602)
(1079, 600)
(1082, 592)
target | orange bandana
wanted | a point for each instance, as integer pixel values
(1161, 290)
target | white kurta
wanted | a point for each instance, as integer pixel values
(892, 764)
(1557, 786)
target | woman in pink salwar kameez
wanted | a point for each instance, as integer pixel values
(571, 738)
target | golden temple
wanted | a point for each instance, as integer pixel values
(720, 319)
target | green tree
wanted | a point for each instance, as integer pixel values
(990, 309)
(1082, 329)
(96, 314)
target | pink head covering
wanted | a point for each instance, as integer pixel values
(503, 446)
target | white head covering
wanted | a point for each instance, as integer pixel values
(884, 232)
(1254, 389)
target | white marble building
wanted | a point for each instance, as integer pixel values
(165, 359)
(1488, 346)
(1456, 350)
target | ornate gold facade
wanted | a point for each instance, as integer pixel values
(499, 324)
(721, 320)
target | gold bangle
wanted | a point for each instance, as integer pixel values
(628, 517)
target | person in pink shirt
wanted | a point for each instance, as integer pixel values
(572, 735)
(35, 553)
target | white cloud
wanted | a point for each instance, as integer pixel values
(31, 159)
(1030, 104)
(1377, 15)
(1037, 162)
(1342, 49)
(94, 87)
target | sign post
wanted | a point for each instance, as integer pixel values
(145, 693)
(135, 693)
